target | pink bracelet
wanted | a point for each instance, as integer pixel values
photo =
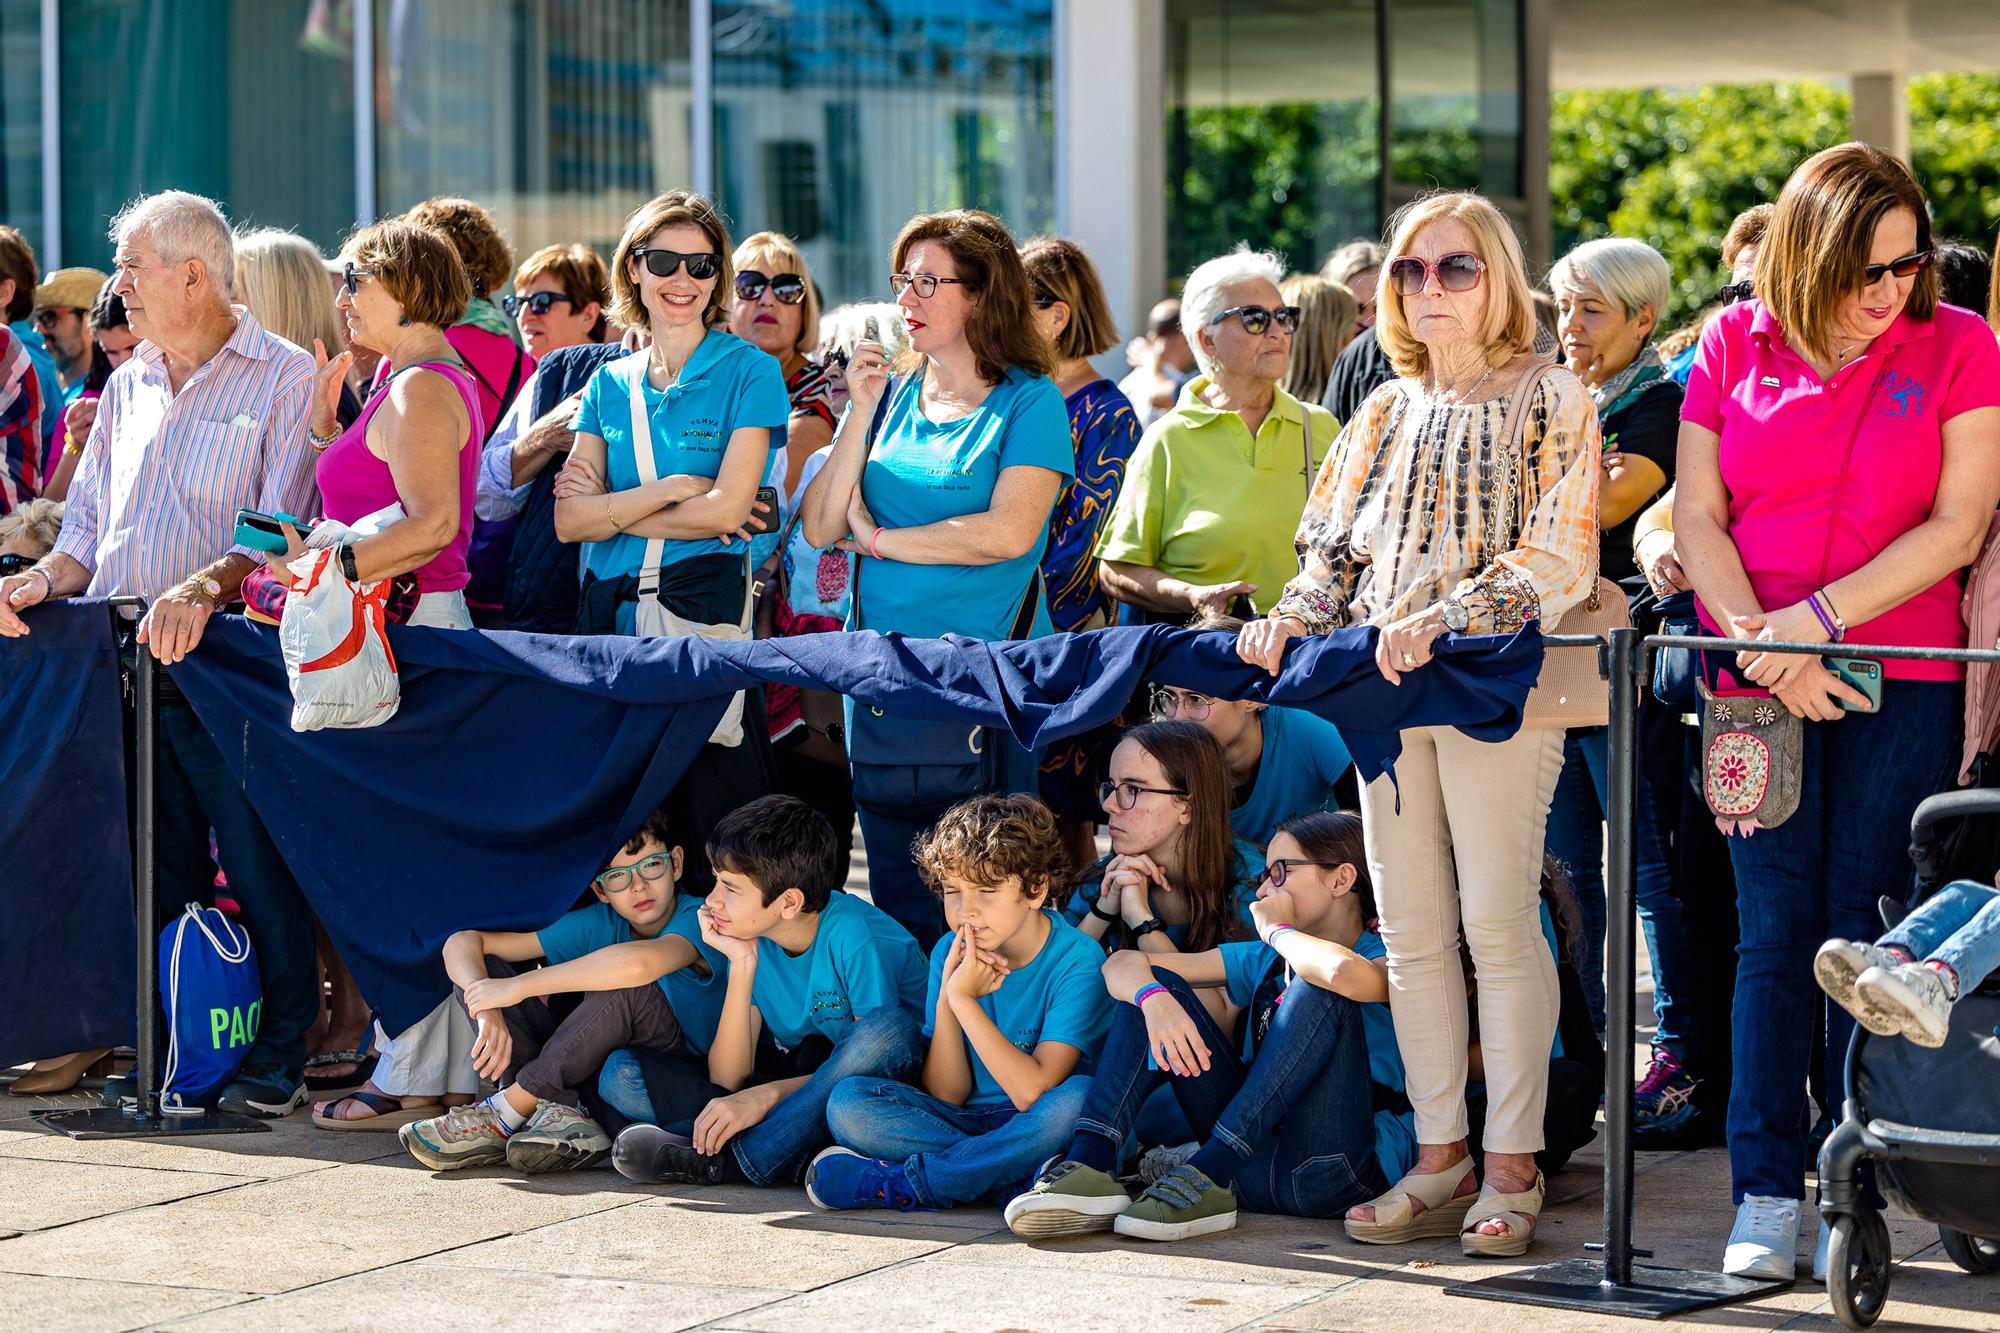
(1146, 991)
(873, 543)
(1272, 937)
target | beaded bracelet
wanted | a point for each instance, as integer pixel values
(1146, 991)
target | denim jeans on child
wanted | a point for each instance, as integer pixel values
(955, 1154)
(1959, 927)
(1300, 1118)
(1815, 877)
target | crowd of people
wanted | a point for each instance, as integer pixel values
(1163, 971)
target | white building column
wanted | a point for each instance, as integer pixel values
(1882, 111)
(1111, 150)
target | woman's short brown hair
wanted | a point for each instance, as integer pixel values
(675, 208)
(1820, 235)
(474, 234)
(1001, 330)
(17, 261)
(783, 255)
(416, 265)
(1745, 230)
(579, 271)
(989, 839)
(1510, 303)
(1060, 270)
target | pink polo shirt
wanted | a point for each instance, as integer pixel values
(1824, 474)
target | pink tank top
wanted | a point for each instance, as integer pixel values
(354, 483)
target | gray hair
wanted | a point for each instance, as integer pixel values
(1205, 295)
(182, 226)
(1631, 273)
(1352, 258)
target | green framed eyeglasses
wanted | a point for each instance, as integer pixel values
(619, 879)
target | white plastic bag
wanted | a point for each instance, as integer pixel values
(336, 643)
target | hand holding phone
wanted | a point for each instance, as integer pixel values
(1861, 673)
(766, 519)
(266, 532)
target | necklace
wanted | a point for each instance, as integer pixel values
(1437, 389)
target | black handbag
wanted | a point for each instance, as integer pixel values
(1675, 670)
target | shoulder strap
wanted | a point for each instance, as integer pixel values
(874, 430)
(1514, 429)
(649, 471)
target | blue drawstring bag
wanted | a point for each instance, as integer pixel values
(212, 1000)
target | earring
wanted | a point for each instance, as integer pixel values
(406, 321)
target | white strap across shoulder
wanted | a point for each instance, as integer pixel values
(649, 470)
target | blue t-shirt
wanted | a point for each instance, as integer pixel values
(1059, 996)
(920, 472)
(696, 1000)
(726, 385)
(1246, 863)
(1252, 966)
(860, 961)
(1303, 755)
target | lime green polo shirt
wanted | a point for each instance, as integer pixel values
(1204, 502)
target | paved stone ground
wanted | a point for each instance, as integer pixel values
(306, 1229)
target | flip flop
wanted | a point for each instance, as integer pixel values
(319, 1081)
(390, 1113)
(1519, 1211)
(1397, 1221)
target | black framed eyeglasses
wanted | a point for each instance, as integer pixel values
(49, 316)
(1908, 266)
(15, 564)
(619, 879)
(537, 303)
(1128, 793)
(925, 283)
(1277, 870)
(786, 288)
(1255, 318)
(350, 277)
(666, 263)
(1737, 291)
(1170, 703)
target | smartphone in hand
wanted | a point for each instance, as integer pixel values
(265, 532)
(766, 519)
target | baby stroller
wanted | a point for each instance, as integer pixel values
(1929, 1119)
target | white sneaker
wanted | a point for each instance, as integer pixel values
(1913, 996)
(1838, 965)
(1765, 1240)
(1819, 1251)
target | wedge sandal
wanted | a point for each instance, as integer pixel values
(1519, 1211)
(1396, 1217)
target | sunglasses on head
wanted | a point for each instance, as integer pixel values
(786, 288)
(1456, 272)
(666, 263)
(537, 304)
(1737, 291)
(350, 277)
(1908, 266)
(1255, 318)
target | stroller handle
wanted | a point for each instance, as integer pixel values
(1942, 809)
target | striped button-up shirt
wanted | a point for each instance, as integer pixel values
(156, 496)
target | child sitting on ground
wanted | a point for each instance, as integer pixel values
(1906, 982)
(823, 987)
(646, 978)
(1300, 1113)
(1016, 1006)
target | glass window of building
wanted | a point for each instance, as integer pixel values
(21, 119)
(1455, 97)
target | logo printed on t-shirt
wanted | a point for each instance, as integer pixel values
(1906, 395)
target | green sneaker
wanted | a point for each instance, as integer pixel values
(1068, 1199)
(469, 1135)
(1180, 1204)
(558, 1138)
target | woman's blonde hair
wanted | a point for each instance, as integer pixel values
(783, 255)
(1820, 235)
(1632, 273)
(1510, 305)
(38, 522)
(1060, 270)
(1327, 310)
(675, 208)
(282, 278)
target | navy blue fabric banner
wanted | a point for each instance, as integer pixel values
(66, 955)
(518, 761)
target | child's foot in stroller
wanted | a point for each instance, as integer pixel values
(1765, 1240)
(1839, 964)
(1916, 997)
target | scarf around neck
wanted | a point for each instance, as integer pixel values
(1623, 389)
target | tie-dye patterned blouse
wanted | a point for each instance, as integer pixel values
(1104, 432)
(1416, 503)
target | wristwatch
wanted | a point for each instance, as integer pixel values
(1456, 615)
(1101, 914)
(347, 564)
(1147, 927)
(207, 587)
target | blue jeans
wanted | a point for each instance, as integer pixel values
(1959, 927)
(1300, 1117)
(1816, 876)
(954, 1154)
(883, 1043)
(1576, 837)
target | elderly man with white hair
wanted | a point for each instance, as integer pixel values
(206, 417)
(1215, 489)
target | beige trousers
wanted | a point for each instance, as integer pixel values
(1465, 851)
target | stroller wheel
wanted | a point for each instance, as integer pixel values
(1975, 1254)
(1857, 1268)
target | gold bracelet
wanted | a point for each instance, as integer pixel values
(613, 517)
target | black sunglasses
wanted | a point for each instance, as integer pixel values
(1910, 264)
(351, 277)
(15, 564)
(1256, 318)
(666, 263)
(1737, 291)
(786, 288)
(537, 304)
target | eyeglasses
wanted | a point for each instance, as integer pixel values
(666, 263)
(46, 317)
(1171, 703)
(1456, 272)
(786, 288)
(1256, 318)
(925, 283)
(1908, 266)
(1737, 291)
(1276, 870)
(620, 878)
(350, 277)
(1128, 793)
(15, 564)
(537, 304)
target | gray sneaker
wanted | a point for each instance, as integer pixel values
(469, 1135)
(1068, 1199)
(558, 1138)
(1914, 996)
(1156, 1162)
(1838, 965)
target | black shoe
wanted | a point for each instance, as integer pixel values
(651, 1156)
(267, 1096)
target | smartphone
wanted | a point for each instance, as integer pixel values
(1864, 674)
(767, 520)
(265, 532)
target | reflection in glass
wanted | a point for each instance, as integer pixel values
(1455, 84)
(21, 118)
